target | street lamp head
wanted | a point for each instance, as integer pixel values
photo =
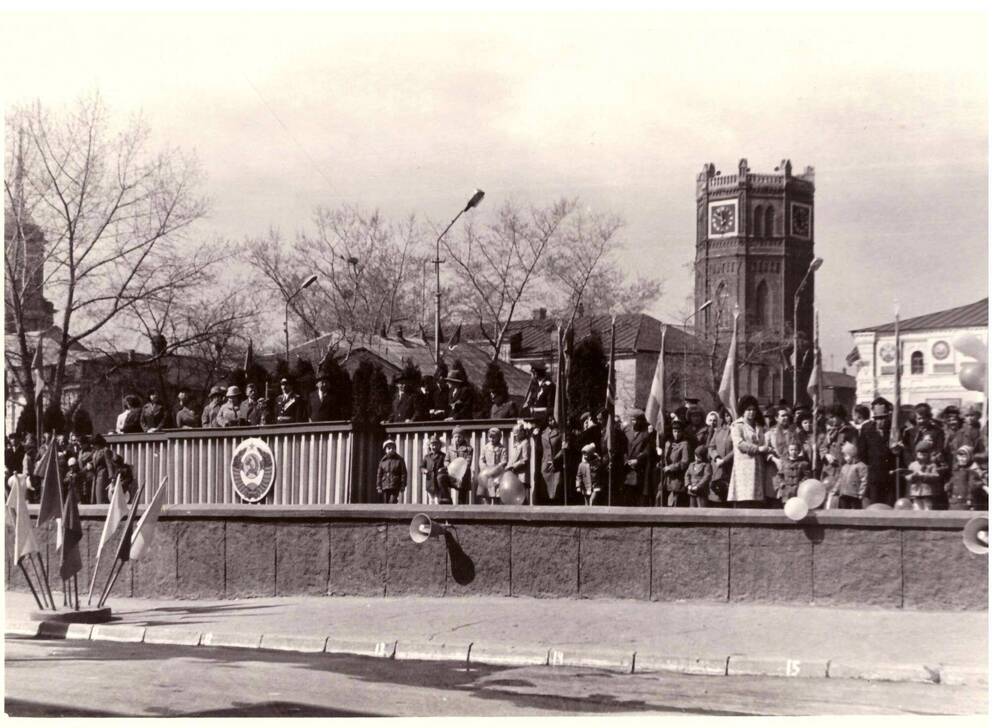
(703, 306)
(816, 263)
(309, 281)
(476, 198)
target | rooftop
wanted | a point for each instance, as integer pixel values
(973, 314)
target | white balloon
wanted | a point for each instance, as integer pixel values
(971, 345)
(796, 508)
(812, 492)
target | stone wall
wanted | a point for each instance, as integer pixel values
(883, 559)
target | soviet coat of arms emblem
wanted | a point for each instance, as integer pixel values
(252, 469)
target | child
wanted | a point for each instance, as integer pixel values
(792, 470)
(851, 479)
(924, 477)
(391, 478)
(492, 461)
(965, 488)
(433, 469)
(591, 475)
(698, 477)
(460, 449)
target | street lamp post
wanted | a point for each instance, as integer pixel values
(701, 308)
(813, 267)
(476, 198)
(308, 282)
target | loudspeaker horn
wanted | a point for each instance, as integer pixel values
(976, 535)
(423, 527)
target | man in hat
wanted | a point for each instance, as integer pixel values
(875, 451)
(211, 408)
(321, 405)
(957, 434)
(640, 461)
(541, 393)
(435, 390)
(696, 431)
(410, 405)
(154, 415)
(229, 413)
(185, 419)
(460, 395)
(923, 427)
(831, 442)
(289, 406)
(253, 409)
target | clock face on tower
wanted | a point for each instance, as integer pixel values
(801, 220)
(722, 218)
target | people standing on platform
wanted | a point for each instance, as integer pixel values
(103, 467)
(211, 408)
(778, 438)
(720, 454)
(461, 398)
(434, 471)
(615, 456)
(697, 430)
(501, 405)
(924, 477)
(459, 464)
(154, 415)
(831, 443)
(698, 478)
(519, 457)
(804, 430)
(591, 475)
(875, 451)
(957, 435)
(492, 462)
(861, 416)
(540, 397)
(553, 459)
(185, 418)
(437, 392)
(322, 407)
(391, 478)
(229, 413)
(123, 473)
(672, 491)
(851, 487)
(289, 407)
(965, 485)
(750, 451)
(253, 409)
(130, 421)
(409, 404)
(640, 461)
(793, 468)
(922, 428)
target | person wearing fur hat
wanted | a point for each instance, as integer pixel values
(391, 479)
(591, 475)
(750, 452)
(435, 473)
(924, 477)
(460, 395)
(229, 413)
(640, 461)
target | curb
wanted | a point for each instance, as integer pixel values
(623, 661)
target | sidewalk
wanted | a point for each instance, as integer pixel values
(629, 636)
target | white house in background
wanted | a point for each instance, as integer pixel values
(930, 363)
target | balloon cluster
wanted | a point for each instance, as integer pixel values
(811, 495)
(972, 375)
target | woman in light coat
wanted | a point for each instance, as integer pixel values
(750, 451)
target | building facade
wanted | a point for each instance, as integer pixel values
(755, 242)
(931, 366)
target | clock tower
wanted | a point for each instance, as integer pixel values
(754, 247)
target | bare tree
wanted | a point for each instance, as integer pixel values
(494, 266)
(113, 215)
(369, 274)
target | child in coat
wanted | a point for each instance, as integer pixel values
(591, 475)
(432, 467)
(965, 488)
(851, 479)
(792, 470)
(698, 477)
(391, 479)
(924, 477)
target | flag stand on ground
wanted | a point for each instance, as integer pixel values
(25, 543)
(132, 547)
(116, 511)
(124, 546)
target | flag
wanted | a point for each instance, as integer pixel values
(559, 410)
(854, 357)
(37, 368)
(125, 545)
(50, 505)
(897, 389)
(654, 404)
(117, 510)
(611, 395)
(146, 529)
(17, 508)
(727, 387)
(70, 562)
(815, 386)
(456, 338)
(248, 361)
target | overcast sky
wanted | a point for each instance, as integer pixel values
(410, 113)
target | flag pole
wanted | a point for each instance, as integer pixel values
(31, 586)
(897, 396)
(100, 548)
(38, 577)
(45, 581)
(113, 575)
(818, 365)
(612, 395)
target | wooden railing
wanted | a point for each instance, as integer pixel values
(315, 464)
(413, 440)
(312, 462)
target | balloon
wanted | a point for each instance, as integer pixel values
(512, 490)
(904, 504)
(812, 492)
(971, 345)
(972, 376)
(796, 508)
(878, 507)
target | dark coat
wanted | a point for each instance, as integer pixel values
(642, 449)
(391, 474)
(289, 408)
(432, 466)
(253, 413)
(541, 393)
(720, 453)
(915, 433)
(503, 410)
(154, 417)
(874, 451)
(322, 410)
(437, 400)
(460, 401)
(409, 407)
(133, 421)
(676, 456)
(208, 413)
(697, 478)
(830, 444)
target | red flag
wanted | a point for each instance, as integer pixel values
(71, 563)
(50, 505)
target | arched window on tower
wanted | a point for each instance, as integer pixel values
(721, 304)
(758, 220)
(917, 363)
(762, 305)
(763, 385)
(769, 222)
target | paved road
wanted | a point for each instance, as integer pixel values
(83, 678)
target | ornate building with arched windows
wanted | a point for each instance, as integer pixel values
(754, 246)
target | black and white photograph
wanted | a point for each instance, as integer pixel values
(496, 360)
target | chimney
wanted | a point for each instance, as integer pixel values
(538, 314)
